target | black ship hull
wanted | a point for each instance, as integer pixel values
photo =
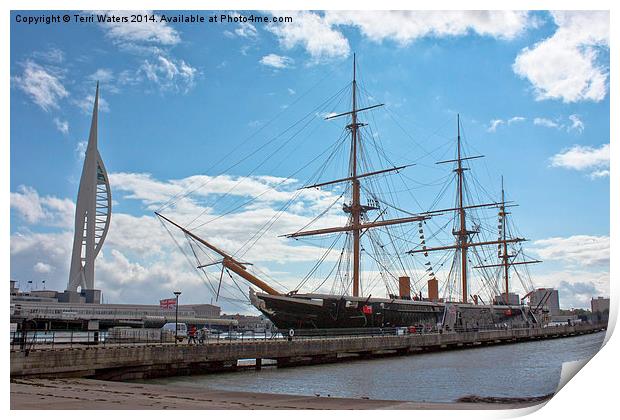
(329, 311)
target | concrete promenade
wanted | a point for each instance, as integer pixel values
(124, 362)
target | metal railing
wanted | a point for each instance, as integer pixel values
(35, 340)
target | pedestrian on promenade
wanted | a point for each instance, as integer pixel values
(192, 335)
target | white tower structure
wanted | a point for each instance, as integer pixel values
(92, 220)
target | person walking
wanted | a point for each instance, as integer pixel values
(192, 335)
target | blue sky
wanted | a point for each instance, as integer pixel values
(531, 89)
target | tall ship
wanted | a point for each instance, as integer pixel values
(448, 268)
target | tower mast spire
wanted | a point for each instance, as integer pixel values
(92, 216)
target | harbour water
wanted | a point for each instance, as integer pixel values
(527, 369)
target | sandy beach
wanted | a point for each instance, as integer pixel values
(89, 394)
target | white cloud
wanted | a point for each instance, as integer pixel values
(575, 287)
(85, 104)
(565, 66)
(169, 73)
(53, 55)
(243, 30)
(102, 76)
(319, 33)
(576, 123)
(493, 124)
(143, 32)
(138, 250)
(48, 210)
(152, 42)
(80, 150)
(546, 122)
(405, 27)
(579, 250)
(584, 158)
(517, 119)
(27, 202)
(43, 268)
(29, 248)
(601, 173)
(312, 32)
(263, 189)
(276, 61)
(43, 87)
(61, 125)
(290, 91)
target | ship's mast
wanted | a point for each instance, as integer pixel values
(507, 260)
(505, 256)
(462, 233)
(355, 184)
(356, 210)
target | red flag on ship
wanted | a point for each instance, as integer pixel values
(367, 309)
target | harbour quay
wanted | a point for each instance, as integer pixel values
(149, 360)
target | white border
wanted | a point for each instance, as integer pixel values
(590, 394)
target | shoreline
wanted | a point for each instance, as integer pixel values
(92, 394)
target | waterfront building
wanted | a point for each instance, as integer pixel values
(549, 297)
(43, 309)
(600, 309)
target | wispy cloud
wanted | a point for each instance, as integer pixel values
(47, 210)
(243, 29)
(584, 250)
(153, 43)
(576, 123)
(44, 88)
(276, 61)
(516, 120)
(80, 150)
(594, 160)
(85, 103)
(169, 73)
(546, 122)
(494, 124)
(405, 27)
(61, 125)
(51, 56)
(156, 33)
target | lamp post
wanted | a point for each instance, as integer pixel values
(176, 319)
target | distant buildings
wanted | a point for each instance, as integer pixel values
(513, 299)
(546, 298)
(43, 309)
(600, 309)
